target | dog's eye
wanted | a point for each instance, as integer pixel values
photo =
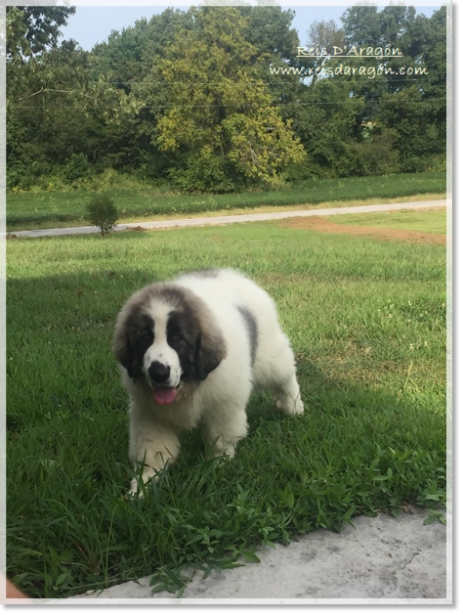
(176, 336)
(146, 337)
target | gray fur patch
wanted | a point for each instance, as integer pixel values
(251, 325)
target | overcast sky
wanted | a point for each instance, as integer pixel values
(93, 24)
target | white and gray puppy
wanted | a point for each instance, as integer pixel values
(192, 350)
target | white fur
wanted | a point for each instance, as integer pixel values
(160, 350)
(218, 402)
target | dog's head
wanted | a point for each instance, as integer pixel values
(167, 336)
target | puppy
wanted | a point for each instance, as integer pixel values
(192, 350)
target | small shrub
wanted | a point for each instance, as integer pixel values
(102, 212)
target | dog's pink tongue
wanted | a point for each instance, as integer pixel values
(165, 395)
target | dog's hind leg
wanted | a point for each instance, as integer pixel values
(275, 371)
(288, 397)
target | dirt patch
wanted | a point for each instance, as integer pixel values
(324, 225)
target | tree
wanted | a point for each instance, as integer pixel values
(415, 36)
(30, 30)
(269, 29)
(195, 97)
(322, 34)
(48, 119)
(64, 120)
(123, 63)
(407, 110)
(411, 122)
(102, 212)
(221, 122)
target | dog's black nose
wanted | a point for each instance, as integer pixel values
(159, 372)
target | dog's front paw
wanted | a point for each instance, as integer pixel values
(224, 452)
(298, 407)
(135, 488)
(290, 405)
(137, 485)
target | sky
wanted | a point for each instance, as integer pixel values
(93, 24)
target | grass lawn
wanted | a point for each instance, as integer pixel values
(434, 221)
(55, 209)
(367, 322)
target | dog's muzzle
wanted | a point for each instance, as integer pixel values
(159, 373)
(163, 392)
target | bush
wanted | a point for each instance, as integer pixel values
(207, 173)
(306, 169)
(102, 212)
(375, 156)
(77, 167)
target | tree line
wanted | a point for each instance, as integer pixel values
(222, 99)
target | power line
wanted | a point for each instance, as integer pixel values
(241, 106)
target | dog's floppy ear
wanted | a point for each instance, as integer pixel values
(209, 352)
(124, 352)
(130, 324)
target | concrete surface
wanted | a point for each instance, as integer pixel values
(220, 220)
(377, 560)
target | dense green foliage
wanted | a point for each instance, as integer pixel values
(32, 30)
(216, 99)
(102, 212)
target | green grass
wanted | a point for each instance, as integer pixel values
(434, 221)
(67, 208)
(367, 322)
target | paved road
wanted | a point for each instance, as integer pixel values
(220, 220)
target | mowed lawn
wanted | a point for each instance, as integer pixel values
(367, 321)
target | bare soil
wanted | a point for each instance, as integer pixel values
(324, 225)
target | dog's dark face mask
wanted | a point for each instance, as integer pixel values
(138, 338)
